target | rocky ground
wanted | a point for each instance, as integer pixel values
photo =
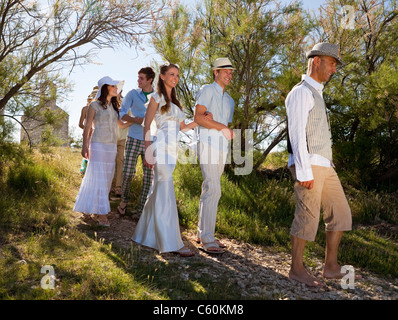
(259, 271)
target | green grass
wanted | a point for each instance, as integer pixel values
(250, 209)
(260, 210)
(38, 227)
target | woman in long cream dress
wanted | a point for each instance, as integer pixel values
(158, 226)
(93, 196)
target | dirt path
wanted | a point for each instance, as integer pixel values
(257, 270)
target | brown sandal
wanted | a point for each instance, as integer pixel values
(122, 211)
(103, 221)
(118, 192)
(220, 244)
(184, 252)
(212, 247)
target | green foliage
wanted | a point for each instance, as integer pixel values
(11, 154)
(267, 42)
(363, 95)
(39, 38)
(179, 39)
(263, 40)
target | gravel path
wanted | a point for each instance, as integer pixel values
(259, 271)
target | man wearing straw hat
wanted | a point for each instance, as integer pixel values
(213, 136)
(310, 162)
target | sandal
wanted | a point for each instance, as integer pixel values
(220, 244)
(122, 211)
(212, 247)
(118, 191)
(102, 222)
(184, 252)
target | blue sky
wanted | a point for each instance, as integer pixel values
(120, 64)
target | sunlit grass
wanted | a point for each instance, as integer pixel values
(38, 227)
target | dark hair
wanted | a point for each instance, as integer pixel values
(162, 89)
(114, 100)
(148, 71)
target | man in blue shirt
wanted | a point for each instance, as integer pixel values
(134, 102)
(213, 145)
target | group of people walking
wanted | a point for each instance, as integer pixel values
(154, 119)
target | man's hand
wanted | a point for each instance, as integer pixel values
(138, 120)
(208, 116)
(307, 184)
(228, 133)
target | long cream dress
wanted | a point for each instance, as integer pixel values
(158, 226)
(93, 196)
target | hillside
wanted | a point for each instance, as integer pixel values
(38, 228)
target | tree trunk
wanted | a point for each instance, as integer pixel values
(279, 138)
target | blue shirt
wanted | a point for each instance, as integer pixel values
(220, 104)
(135, 102)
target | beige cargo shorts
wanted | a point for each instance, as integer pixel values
(328, 195)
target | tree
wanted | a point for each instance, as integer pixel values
(264, 41)
(179, 39)
(36, 40)
(363, 96)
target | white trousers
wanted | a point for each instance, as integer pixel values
(212, 162)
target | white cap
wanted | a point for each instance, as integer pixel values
(110, 82)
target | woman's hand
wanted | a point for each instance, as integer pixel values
(85, 152)
(149, 159)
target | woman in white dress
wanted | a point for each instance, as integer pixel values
(158, 226)
(93, 196)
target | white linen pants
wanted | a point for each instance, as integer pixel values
(212, 162)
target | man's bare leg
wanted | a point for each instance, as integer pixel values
(332, 270)
(297, 269)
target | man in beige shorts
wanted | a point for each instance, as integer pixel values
(310, 162)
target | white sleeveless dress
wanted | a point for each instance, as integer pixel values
(158, 226)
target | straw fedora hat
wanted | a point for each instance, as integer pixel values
(325, 49)
(222, 63)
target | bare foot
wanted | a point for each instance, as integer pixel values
(335, 273)
(304, 277)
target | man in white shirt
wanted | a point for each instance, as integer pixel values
(214, 136)
(310, 162)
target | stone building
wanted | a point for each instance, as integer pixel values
(53, 134)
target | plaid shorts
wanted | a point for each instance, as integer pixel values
(135, 148)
